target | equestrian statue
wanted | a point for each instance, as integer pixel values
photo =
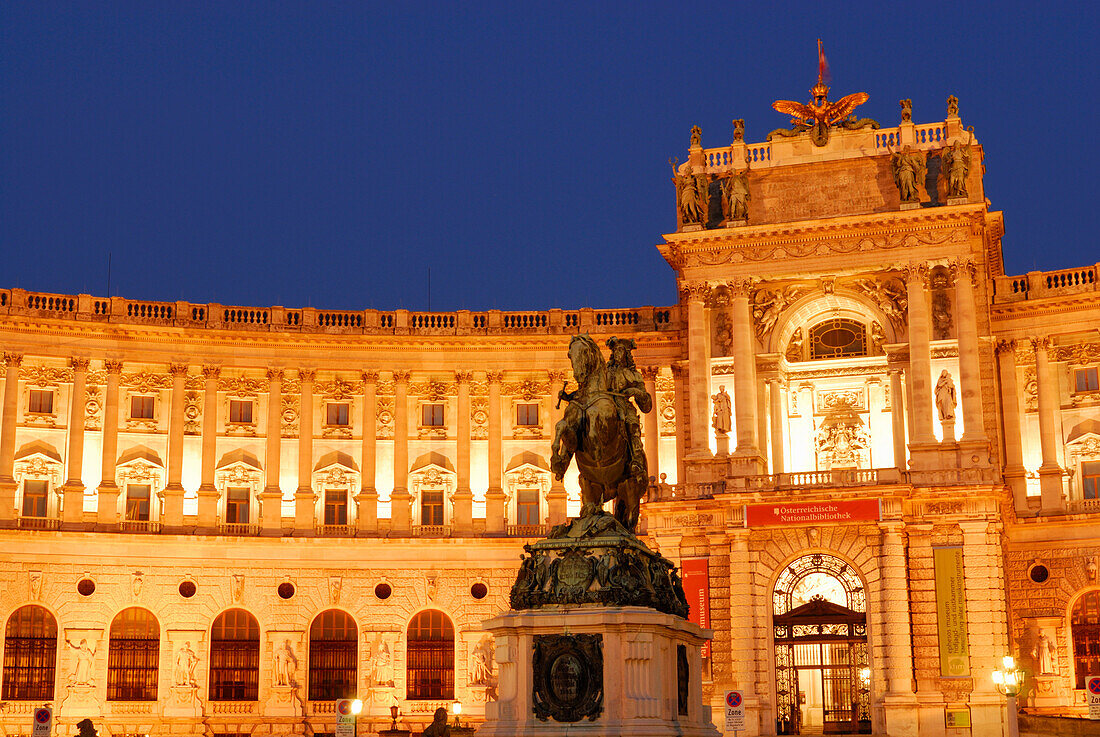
(602, 430)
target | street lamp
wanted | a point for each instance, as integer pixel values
(456, 709)
(1009, 679)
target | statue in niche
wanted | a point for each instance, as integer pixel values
(381, 666)
(956, 167)
(1044, 657)
(794, 347)
(735, 197)
(909, 168)
(952, 106)
(285, 664)
(878, 337)
(945, 396)
(183, 674)
(481, 663)
(85, 663)
(723, 334)
(692, 194)
(722, 418)
(906, 110)
(941, 315)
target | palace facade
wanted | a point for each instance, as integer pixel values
(219, 519)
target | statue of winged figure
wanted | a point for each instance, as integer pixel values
(819, 114)
(956, 167)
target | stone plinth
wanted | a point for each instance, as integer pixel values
(636, 671)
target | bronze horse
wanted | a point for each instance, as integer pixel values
(594, 432)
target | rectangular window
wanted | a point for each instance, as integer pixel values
(527, 415)
(337, 414)
(527, 507)
(141, 408)
(433, 415)
(240, 411)
(1090, 479)
(137, 502)
(34, 498)
(336, 506)
(236, 505)
(431, 507)
(40, 402)
(1086, 380)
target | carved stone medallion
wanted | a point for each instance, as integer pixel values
(568, 671)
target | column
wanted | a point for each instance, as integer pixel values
(494, 496)
(400, 498)
(1050, 473)
(775, 399)
(966, 322)
(920, 359)
(463, 515)
(107, 506)
(557, 500)
(271, 500)
(650, 430)
(900, 701)
(744, 372)
(208, 491)
(897, 417)
(72, 507)
(983, 579)
(172, 496)
(7, 438)
(679, 387)
(305, 500)
(367, 500)
(694, 296)
(1014, 471)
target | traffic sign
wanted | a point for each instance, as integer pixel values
(43, 722)
(735, 711)
(345, 719)
(1094, 697)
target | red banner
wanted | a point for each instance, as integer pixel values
(815, 513)
(696, 582)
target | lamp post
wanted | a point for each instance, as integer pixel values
(1009, 679)
(456, 709)
(356, 709)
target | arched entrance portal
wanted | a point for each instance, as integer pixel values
(822, 678)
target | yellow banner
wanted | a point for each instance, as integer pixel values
(951, 612)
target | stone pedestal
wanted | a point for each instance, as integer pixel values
(723, 445)
(599, 671)
(283, 701)
(80, 701)
(183, 701)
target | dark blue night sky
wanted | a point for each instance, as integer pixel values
(329, 154)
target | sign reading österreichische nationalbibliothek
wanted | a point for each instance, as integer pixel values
(951, 611)
(858, 510)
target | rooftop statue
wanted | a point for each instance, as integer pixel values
(819, 114)
(909, 170)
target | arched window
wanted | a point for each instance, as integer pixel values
(333, 650)
(838, 338)
(431, 656)
(30, 655)
(235, 657)
(1085, 629)
(133, 656)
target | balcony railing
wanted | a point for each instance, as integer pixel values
(431, 531)
(139, 525)
(118, 310)
(845, 477)
(527, 530)
(39, 523)
(336, 530)
(238, 528)
(1041, 284)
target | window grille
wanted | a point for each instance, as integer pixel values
(235, 657)
(838, 338)
(1085, 628)
(34, 497)
(431, 656)
(133, 656)
(333, 648)
(30, 655)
